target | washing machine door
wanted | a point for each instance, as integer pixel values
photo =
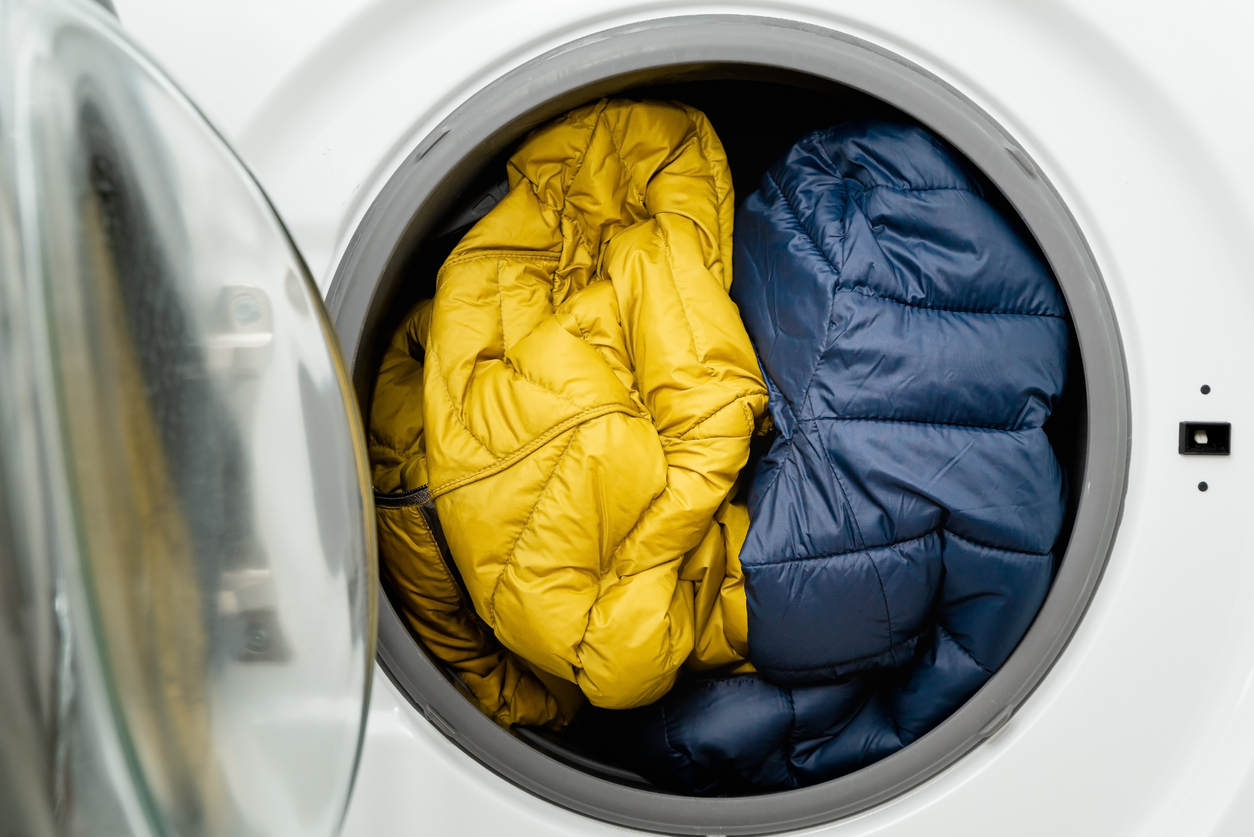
(182, 469)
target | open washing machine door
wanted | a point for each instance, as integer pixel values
(186, 533)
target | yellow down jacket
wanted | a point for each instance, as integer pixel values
(575, 406)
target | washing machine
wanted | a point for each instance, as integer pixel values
(211, 217)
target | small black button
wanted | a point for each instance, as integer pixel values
(1205, 438)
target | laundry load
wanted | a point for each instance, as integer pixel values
(904, 517)
(556, 436)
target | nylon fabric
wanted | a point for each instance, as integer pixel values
(916, 407)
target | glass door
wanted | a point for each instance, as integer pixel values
(187, 535)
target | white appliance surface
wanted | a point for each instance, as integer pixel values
(1140, 114)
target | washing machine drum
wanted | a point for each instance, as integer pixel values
(914, 344)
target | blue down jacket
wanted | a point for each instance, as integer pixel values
(904, 517)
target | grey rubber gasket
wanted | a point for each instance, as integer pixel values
(423, 188)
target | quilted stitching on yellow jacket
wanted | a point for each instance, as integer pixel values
(588, 400)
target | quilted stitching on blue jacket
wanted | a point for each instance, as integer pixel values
(915, 346)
